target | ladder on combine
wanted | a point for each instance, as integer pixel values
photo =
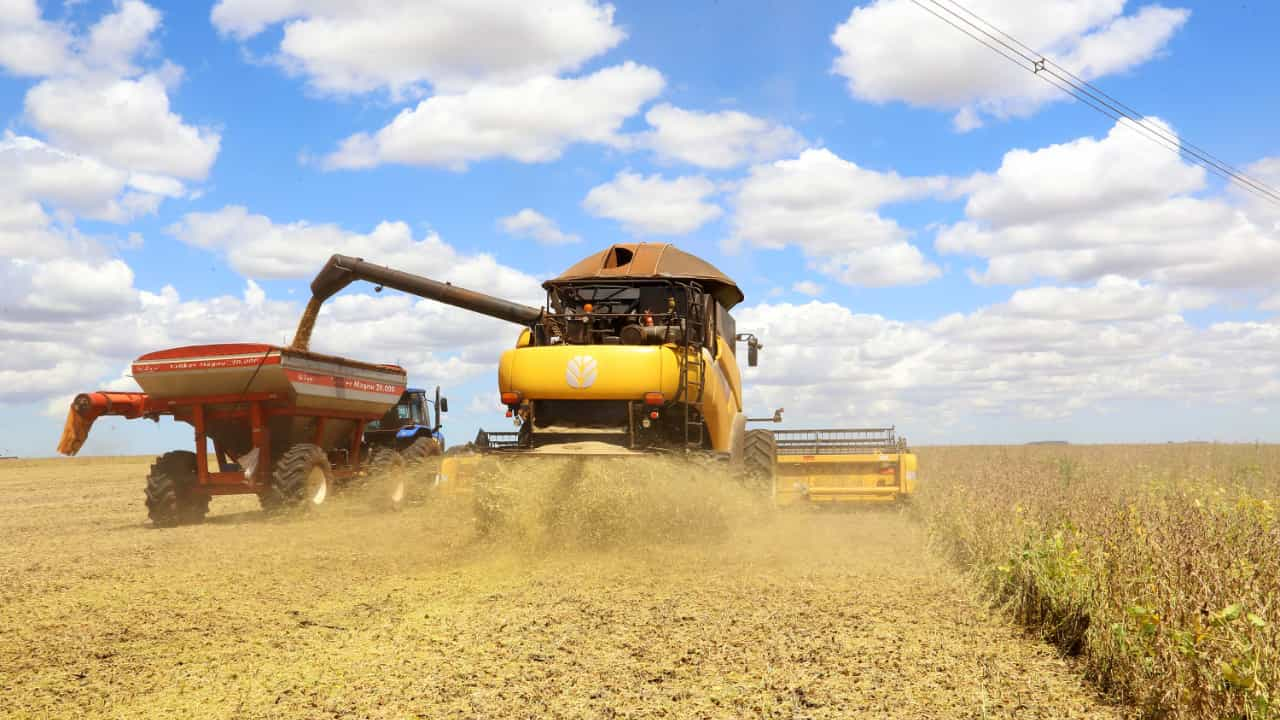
(693, 373)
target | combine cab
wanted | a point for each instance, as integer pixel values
(832, 467)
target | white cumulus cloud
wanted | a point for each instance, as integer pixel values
(96, 101)
(530, 223)
(403, 45)
(258, 247)
(1119, 205)
(31, 46)
(894, 50)
(126, 122)
(807, 287)
(828, 207)
(717, 140)
(531, 121)
(653, 205)
(1057, 353)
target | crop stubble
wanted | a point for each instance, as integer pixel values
(351, 613)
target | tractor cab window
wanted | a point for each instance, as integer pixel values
(406, 412)
(412, 411)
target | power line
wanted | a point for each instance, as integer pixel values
(1085, 92)
(1041, 63)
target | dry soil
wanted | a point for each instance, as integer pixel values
(354, 613)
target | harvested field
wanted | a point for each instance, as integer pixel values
(354, 614)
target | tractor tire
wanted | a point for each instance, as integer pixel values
(301, 480)
(420, 450)
(759, 462)
(423, 460)
(171, 494)
(388, 478)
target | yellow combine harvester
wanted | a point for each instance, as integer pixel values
(832, 467)
(635, 352)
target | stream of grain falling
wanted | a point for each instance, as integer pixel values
(307, 323)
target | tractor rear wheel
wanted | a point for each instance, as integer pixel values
(422, 458)
(421, 449)
(301, 480)
(759, 461)
(172, 497)
(388, 477)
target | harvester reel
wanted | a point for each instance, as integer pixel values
(302, 479)
(171, 496)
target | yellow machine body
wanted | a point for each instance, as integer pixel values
(627, 372)
(613, 372)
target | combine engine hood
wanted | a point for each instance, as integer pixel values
(589, 372)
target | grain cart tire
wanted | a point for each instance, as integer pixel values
(171, 496)
(302, 479)
(759, 461)
(388, 478)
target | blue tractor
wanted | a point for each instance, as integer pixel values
(411, 428)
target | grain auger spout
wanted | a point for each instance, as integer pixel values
(342, 270)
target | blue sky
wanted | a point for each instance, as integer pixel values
(1041, 275)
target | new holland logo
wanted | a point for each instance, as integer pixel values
(581, 372)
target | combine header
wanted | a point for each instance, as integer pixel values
(286, 425)
(827, 467)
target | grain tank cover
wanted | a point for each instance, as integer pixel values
(651, 261)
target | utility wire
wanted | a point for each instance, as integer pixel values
(1041, 63)
(1013, 50)
(1009, 53)
(1095, 97)
(1185, 146)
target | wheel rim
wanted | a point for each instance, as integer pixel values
(317, 486)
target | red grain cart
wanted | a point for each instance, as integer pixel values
(286, 425)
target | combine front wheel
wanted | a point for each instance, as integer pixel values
(759, 460)
(302, 479)
(172, 498)
(388, 477)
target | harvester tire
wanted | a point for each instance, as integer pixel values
(388, 478)
(171, 496)
(759, 461)
(302, 479)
